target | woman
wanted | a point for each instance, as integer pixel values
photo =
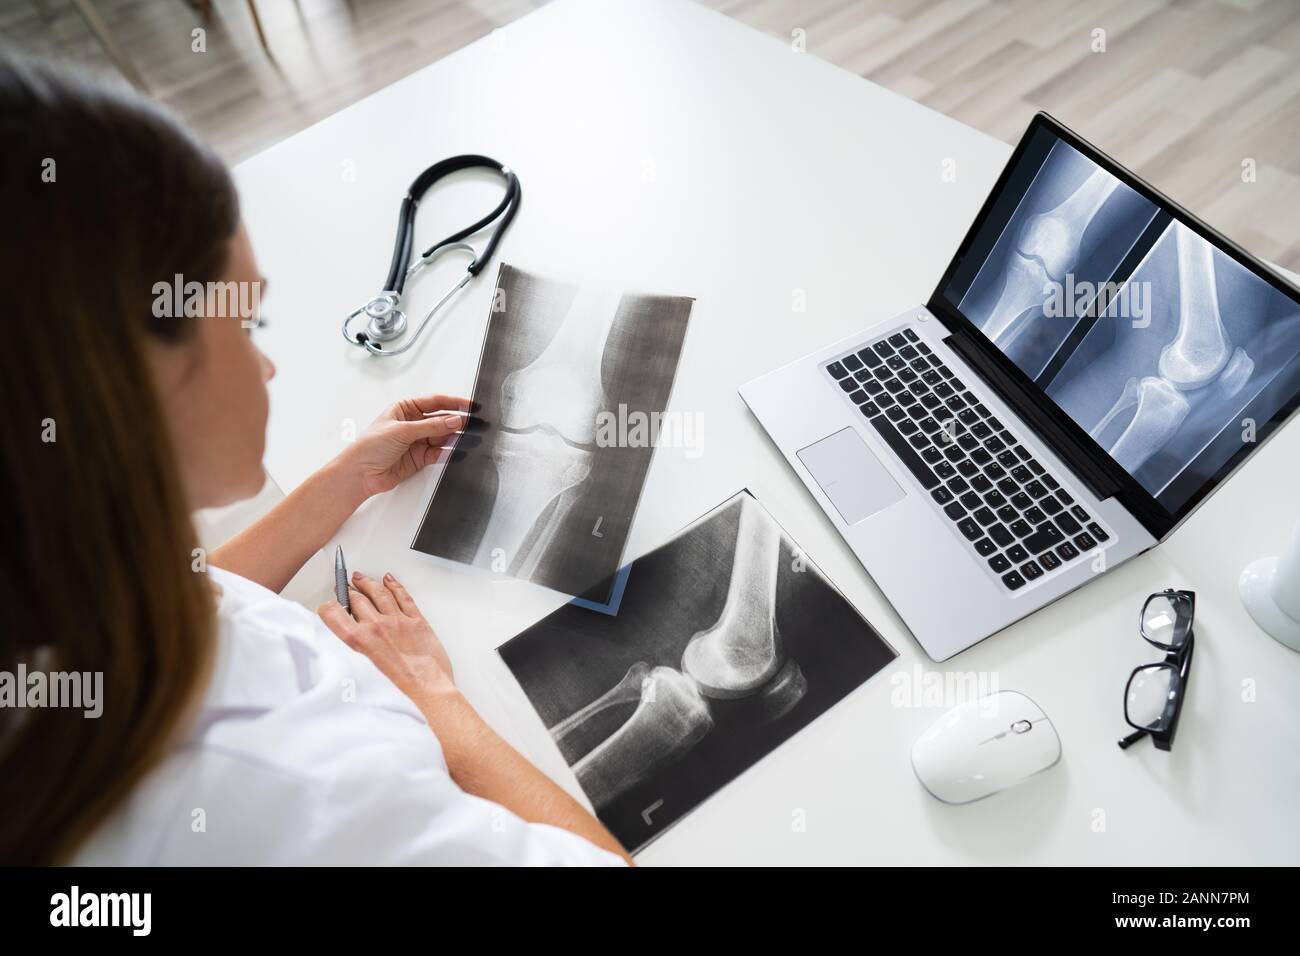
(236, 727)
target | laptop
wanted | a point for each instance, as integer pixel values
(1093, 364)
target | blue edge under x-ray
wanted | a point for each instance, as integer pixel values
(615, 595)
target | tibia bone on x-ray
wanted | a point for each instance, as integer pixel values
(1201, 348)
(1046, 249)
(568, 734)
(1158, 410)
(742, 651)
(544, 450)
(539, 477)
(669, 720)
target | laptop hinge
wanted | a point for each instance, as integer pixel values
(1092, 474)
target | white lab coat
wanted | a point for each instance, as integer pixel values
(304, 753)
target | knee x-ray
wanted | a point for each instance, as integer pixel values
(727, 642)
(1073, 225)
(572, 385)
(1165, 349)
(1173, 399)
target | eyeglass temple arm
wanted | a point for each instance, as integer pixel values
(1131, 739)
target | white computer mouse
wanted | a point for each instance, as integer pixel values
(983, 746)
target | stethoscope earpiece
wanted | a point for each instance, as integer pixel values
(385, 321)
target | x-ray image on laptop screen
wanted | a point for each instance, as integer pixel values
(1164, 349)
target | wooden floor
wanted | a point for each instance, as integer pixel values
(1186, 92)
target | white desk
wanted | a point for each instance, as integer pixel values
(665, 144)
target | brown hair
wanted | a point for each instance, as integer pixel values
(103, 196)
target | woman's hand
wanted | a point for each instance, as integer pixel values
(407, 436)
(390, 630)
(401, 441)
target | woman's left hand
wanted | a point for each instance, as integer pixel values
(407, 436)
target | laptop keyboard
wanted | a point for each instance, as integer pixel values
(1017, 517)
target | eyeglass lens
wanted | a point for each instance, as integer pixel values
(1165, 619)
(1152, 692)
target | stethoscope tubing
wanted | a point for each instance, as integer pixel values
(401, 268)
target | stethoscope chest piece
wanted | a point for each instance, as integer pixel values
(385, 320)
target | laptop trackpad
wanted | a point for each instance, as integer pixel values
(850, 475)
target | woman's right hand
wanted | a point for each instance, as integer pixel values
(390, 630)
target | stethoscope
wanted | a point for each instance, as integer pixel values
(385, 320)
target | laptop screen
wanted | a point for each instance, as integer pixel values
(1168, 352)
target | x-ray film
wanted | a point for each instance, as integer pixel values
(727, 642)
(573, 378)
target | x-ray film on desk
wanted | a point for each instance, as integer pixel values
(573, 379)
(728, 641)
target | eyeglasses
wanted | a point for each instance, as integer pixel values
(1153, 697)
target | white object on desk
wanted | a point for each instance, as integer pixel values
(704, 156)
(984, 746)
(1270, 589)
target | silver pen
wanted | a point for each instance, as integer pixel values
(341, 580)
